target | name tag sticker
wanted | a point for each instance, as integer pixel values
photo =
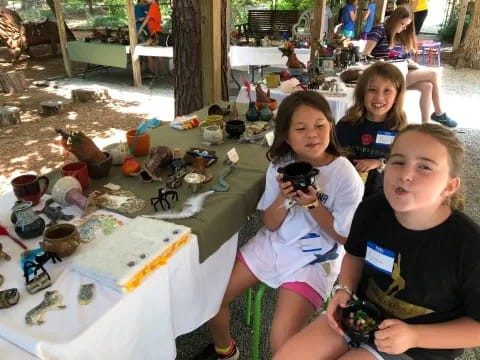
(311, 243)
(232, 155)
(380, 258)
(385, 137)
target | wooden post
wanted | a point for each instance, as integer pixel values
(461, 21)
(63, 37)
(317, 27)
(211, 50)
(380, 11)
(132, 35)
(360, 14)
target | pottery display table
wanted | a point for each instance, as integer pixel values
(173, 300)
(98, 53)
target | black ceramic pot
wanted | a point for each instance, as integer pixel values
(235, 128)
(100, 169)
(360, 309)
(300, 174)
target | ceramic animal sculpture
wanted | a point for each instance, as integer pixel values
(294, 63)
(19, 37)
(51, 301)
(54, 213)
(9, 298)
(262, 96)
(160, 156)
(81, 146)
(86, 293)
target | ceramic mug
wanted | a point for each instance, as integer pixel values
(273, 80)
(27, 187)
(213, 134)
(212, 120)
(78, 170)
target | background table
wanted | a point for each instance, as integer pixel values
(251, 55)
(98, 53)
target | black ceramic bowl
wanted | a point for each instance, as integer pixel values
(300, 174)
(359, 320)
(235, 128)
(101, 168)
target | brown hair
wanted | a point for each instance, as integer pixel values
(280, 147)
(396, 118)
(455, 150)
(407, 37)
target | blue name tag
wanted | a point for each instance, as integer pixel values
(380, 258)
(385, 137)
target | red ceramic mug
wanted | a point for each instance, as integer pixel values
(78, 170)
(27, 187)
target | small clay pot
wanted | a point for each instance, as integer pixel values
(235, 128)
(272, 104)
(61, 239)
(100, 169)
(300, 174)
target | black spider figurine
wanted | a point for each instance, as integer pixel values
(162, 198)
(54, 213)
(42, 259)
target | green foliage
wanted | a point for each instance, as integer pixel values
(447, 34)
(33, 15)
(295, 4)
(107, 20)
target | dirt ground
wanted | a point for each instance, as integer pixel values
(29, 146)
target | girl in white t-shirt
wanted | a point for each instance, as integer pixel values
(300, 247)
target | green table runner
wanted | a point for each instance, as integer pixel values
(98, 53)
(224, 213)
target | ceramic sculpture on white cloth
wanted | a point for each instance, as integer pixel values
(68, 191)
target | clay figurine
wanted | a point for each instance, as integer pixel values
(38, 282)
(177, 163)
(9, 298)
(54, 213)
(162, 198)
(86, 293)
(51, 301)
(160, 156)
(4, 255)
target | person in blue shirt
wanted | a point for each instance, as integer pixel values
(141, 11)
(369, 17)
(349, 17)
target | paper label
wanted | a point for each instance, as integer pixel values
(270, 136)
(232, 155)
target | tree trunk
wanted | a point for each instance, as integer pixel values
(187, 56)
(87, 95)
(54, 107)
(12, 81)
(225, 45)
(468, 54)
(9, 115)
(70, 35)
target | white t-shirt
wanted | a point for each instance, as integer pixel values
(281, 256)
(328, 16)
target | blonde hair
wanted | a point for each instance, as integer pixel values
(407, 37)
(396, 118)
(455, 150)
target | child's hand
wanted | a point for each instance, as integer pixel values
(286, 188)
(367, 164)
(338, 302)
(305, 198)
(395, 336)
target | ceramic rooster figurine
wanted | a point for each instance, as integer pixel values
(81, 146)
(262, 96)
(288, 49)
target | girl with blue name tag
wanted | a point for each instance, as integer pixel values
(299, 250)
(370, 125)
(412, 253)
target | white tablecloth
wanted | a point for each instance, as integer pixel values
(338, 105)
(157, 51)
(250, 55)
(173, 300)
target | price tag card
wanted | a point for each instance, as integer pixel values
(232, 155)
(269, 137)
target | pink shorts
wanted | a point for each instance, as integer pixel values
(298, 287)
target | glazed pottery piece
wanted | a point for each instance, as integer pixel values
(272, 105)
(300, 174)
(235, 128)
(9, 298)
(130, 166)
(118, 152)
(100, 169)
(273, 80)
(141, 144)
(369, 316)
(61, 239)
(212, 120)
(67, 190)
(217, 110)
(160, 157)
(194, 181)
(78, 170)
(27, 187)
(265, 114)
(213, 134)
(252, 114)
(28, 225)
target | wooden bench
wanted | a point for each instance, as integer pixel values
(263, 23)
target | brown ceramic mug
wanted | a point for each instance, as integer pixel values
(27, 187)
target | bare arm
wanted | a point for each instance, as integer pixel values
(351, 271)
(414, 4)
(369, 47)
(365, 17)
(143, 25)
(323, 217)
(274, 215)
(353, 15)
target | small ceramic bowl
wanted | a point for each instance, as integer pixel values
(300, 174)
(272, 104)
(360, 319)
(100, 169)
(235, 128)
(61, 239)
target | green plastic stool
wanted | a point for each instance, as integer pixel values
(256, 317)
